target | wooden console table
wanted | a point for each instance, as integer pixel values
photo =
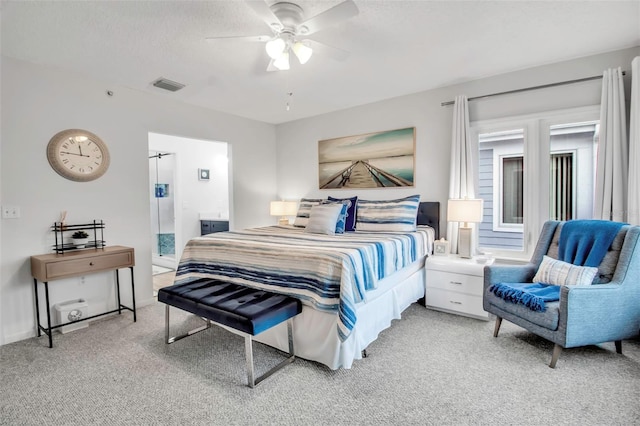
(52, 266)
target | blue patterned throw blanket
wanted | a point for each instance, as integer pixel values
(582, 243)
(330, 273)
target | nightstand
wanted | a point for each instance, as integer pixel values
(211, 226)
(455, 285)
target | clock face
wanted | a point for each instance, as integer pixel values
(78, 155)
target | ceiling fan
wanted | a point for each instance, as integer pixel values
(290, 31)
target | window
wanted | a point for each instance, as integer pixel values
(532, 169)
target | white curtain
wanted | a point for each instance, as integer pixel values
(633, 207)
(463, 165)
(613, 159)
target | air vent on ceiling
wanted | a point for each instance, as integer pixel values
(165, 84)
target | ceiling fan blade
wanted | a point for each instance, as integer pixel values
(335, 15)
(326, 50)
(258, 38)
(262, 9)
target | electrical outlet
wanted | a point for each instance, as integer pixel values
(10, 212)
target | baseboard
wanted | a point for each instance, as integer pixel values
(23, 335)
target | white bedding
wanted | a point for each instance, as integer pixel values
(313, 331)
(351, 286)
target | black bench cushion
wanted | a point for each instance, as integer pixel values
(249, 310)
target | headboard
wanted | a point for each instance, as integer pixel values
(429, 214)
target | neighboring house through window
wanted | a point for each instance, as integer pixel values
(532, 169)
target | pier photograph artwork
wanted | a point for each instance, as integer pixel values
(372, 160)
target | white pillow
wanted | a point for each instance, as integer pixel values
(323, 219)
(557, 272)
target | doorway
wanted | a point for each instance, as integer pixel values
(189, 181)
(163, 218)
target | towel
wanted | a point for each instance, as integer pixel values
(533, 296)
(585, 242)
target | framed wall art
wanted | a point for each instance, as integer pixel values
(373, 160)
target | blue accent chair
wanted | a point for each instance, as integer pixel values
(608, 310)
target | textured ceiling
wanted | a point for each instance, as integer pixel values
(396, 47)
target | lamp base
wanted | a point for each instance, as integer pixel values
(283, 221)
(464, 242)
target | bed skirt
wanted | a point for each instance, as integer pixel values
(314, 332)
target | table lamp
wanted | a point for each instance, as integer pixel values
(465, 210)
(283, 209)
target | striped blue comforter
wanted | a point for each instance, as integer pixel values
(330, 273)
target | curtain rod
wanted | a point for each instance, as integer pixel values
(544, 86)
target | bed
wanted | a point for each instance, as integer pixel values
(351, 285)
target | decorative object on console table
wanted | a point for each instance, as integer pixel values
(80, 239)
(455, 285)
(465, 210)
(283, 209)
(67, 231)
(211, 226)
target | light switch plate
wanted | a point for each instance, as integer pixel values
(10, 212)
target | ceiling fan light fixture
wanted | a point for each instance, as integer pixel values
(302, 51)
(282, 63)
(275, 47)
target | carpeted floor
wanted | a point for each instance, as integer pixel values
(428, 368)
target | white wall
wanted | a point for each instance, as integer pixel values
(38, 102)
(298, 141)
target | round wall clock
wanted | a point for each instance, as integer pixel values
(78, 155)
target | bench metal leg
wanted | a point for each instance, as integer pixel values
(170, 340)
(248, 339)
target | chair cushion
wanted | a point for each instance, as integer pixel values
(548, 319)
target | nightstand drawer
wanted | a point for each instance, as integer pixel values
(469, 284)
(457, 302)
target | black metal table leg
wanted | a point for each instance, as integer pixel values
(133, 294)
(35, 288)
(49, 333)
(118, 291)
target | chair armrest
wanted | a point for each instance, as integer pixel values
(599, 313)
(494, 274)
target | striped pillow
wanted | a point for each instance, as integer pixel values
(557, 272)
(323, 219)
(304, 209)
(388, 215)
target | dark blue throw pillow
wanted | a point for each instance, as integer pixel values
(351, 211)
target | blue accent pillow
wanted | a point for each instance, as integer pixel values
(342, 220)
(351, 212)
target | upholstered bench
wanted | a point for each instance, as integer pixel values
(244, 311)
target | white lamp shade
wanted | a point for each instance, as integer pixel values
(465, 210)
(302, 51)
(275, 48)
(283, 208)
(282, 62)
